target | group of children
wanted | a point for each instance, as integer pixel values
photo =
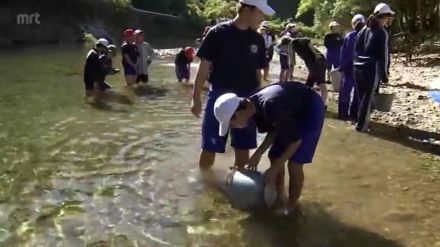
(137, 56)
(290, 112)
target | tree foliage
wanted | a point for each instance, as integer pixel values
(412, 15)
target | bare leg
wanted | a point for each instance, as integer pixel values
(206, 159)
(283, 75)
(281, 189)
(324, 92)
(296, 182)
(241, 158)
(266, 73)
(290, 73)
(130, 80)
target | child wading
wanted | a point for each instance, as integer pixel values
(94, 71)
(183, 63)
(292, 115)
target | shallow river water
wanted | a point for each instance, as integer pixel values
(124, 172)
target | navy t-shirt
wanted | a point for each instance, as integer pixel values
(93, 68)
(131, 50)
(236, 55)
(282, 107)
(304, 51)
(181, 59)
(333, 41)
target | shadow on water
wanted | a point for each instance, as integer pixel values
(412, 138)
(147, 90)
(116, 97)
(316, 227)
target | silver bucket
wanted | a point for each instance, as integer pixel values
(383, 102)
(336, 79)
(246, 191)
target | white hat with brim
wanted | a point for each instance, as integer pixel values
(138, 31)
(261, 5)
(224, 108)
(333, 24)
(102, 42)
(358, 19)
(383, 8)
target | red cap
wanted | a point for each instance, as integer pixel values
(189, 53)
(128, 32)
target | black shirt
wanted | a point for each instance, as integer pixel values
(304, 51)
(282, 107)
(93, 68)
(236, 55)
(333, 41)
(131, 50)
(181, 59)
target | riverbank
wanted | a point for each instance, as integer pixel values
(61, 22)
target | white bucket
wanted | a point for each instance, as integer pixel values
(336, 79)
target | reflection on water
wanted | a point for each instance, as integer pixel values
(124, 173)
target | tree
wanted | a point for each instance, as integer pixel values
(412, 15)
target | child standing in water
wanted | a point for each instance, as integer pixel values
(183, 63)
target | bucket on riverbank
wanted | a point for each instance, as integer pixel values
(336, 79)
(247, 191)
(383, 101)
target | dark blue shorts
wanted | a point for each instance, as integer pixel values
(245, 138)
(284, 61)
(182, 72)
(332, 59)
(129, 70)
(310, 130)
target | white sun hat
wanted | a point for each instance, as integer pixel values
(224, 108)
(261, 5)
(102, 42)
(383, 8)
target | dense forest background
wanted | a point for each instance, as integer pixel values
(64, 20)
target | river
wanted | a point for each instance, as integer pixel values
(124, 173)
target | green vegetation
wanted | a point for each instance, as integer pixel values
(414, 16)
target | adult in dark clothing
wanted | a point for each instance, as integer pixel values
(94, 71)
(333, 43)
(314, 60)
(348, 106)
(292, 115)
(129, 57)
(371, 61)
(233, 54)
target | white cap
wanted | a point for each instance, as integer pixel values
(358, 18)
(333, 24)
(383, 8)
(138, 31)
(102, 42)
(224, 108)
(264, 24)
(261, 5)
